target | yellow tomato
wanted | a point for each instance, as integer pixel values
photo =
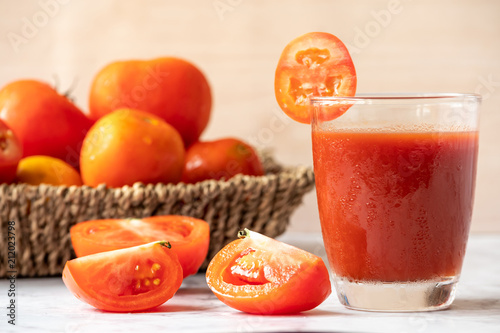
(40, 169)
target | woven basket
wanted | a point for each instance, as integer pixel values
(44, 214)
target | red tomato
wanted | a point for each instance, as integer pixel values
(45, 122)
(218, 159)
(129, 146)
(257, 274)
(11, 153)
(314, 64)
(189, 237)
(171, 88)
(127, 280)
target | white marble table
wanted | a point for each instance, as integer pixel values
(45, 305)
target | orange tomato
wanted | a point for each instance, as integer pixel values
(171, 88)
(128, 146)
(315, 64)
(223, 158)
(257, 274)
(127, 280)
(36, 170)
(189, 237)
(45, 122)
(11, 152)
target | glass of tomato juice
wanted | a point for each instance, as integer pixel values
(395, 177)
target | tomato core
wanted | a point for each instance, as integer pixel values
(146, 277)
(301, 91)
(312, 57)
(247, 268)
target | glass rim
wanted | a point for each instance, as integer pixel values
(381, 97)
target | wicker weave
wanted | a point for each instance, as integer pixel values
(44, 214)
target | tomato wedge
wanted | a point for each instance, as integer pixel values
(189, 237)
(315, 64)
(126, 280)
(260, 275)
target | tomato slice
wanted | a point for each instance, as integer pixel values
(260, 275)
(189, 237)
(126, 280)
(315, 64)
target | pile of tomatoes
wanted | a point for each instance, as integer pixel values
(143, 124)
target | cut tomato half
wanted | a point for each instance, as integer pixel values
(260, 275)
(315, 64)
(189, 237)
(126, 280)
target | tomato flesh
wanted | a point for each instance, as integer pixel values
(316, 64)
(260, 275)
(189, 237)
(126, 280)
(246, 269)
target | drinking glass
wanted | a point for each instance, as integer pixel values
(395, 177)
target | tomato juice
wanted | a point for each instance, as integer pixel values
(395, 205)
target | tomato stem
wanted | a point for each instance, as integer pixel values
(243, 233)
(165, 244)
(68, 93)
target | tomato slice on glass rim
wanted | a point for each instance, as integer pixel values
(315, 64)
(127, 280)
(260, 275)
(189, 237)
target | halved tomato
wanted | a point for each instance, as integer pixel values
(126, 280)
(257, 274)
(189, 237)
(315, 64)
